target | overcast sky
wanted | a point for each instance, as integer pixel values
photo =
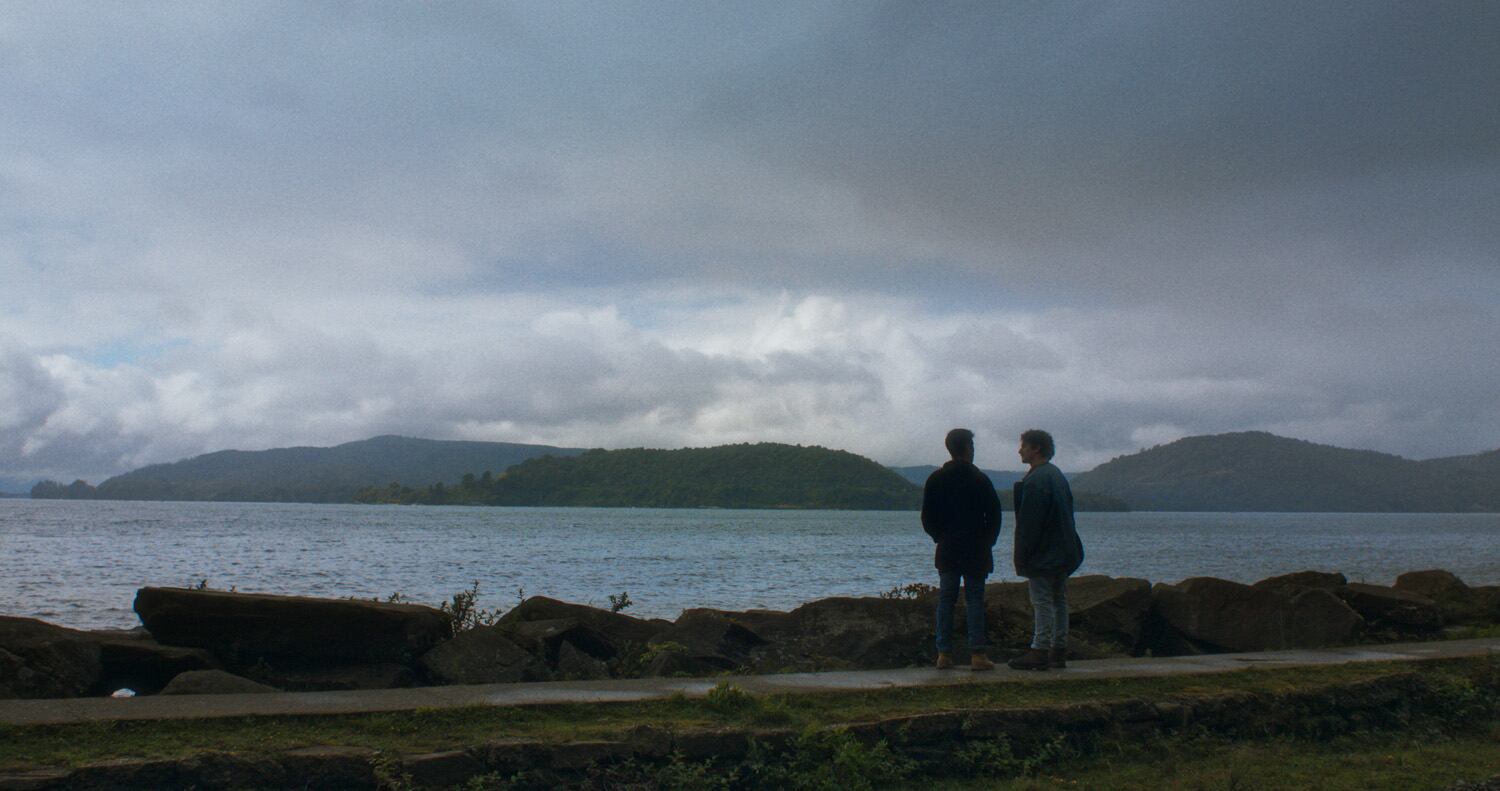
(253, 225)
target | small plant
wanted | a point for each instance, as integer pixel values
(829, 759)
(390, 774)
(915, 590)
(619, 601)
(465, 611)
(726, 698)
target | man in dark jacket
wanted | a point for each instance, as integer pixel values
(961, 512)
(1048, 550)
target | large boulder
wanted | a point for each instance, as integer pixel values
(574, 664)
(333, 677)
(707, 639)
(1297, 580)
(1108, 613)
(213, 682)
(1389, 609)
(1435, 584)
(861, 632)
(132, 660)
(40, 660)
(484, 655)
(618, 629)
(545, 638)
(242, 627)
(1209, 615)
(1460, 604)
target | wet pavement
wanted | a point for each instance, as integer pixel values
(158, 707)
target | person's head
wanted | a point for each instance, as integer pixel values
(1036, 446)
(960, 444)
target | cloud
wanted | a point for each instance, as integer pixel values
(251, 225)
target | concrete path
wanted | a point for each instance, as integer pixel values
(158, 707)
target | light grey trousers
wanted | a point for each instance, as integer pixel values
(1049, 606)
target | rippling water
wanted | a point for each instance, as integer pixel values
(78, 563)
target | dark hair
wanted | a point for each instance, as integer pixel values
(958, 441)
(1040, 440)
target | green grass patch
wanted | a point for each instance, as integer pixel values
(1362, 762)
(435, 730)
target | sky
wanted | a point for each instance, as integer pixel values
(261, 224)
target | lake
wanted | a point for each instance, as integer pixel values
(79, 563)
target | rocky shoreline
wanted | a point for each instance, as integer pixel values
(203, 641)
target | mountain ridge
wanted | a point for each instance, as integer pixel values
(1259, 471)
(306, 473)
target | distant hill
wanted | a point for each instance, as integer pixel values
(1256, 471)
(1004, 479)
(765, 475)
(310, 475)
(918, 475)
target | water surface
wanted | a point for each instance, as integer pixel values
(79, 563)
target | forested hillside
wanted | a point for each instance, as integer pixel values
(764, 475)
(1256, 471)
(310, 475)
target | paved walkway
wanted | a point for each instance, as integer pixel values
(158, 707)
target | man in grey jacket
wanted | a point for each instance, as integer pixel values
(1048, 550)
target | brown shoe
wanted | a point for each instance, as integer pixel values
(945, 661)
(1058, 658)
(980, 662)
(1033, 659)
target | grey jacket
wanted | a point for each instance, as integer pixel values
(1047, 543)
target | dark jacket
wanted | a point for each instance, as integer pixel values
(1047, 542)
(961, 512)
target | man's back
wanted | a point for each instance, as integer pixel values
(961, 512)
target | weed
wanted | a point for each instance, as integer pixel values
(619, 601)
(828, 759)
(915, 590)
(466, 612)
(389, 773)
(726, 698)
(997, 758)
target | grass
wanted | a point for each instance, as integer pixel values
(435, 730)
(1363, 762)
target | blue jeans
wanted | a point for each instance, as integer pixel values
(973, 609)
(1049, 606)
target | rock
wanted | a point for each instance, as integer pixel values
(339, 677)
(1435, 584)
(573, 664)
(673, 664)
(1105, 610)
(618, 629)
(1304, 579)
(1388, 608)
(1208, 615)
(131, 659)
(711, 638)
(40, 660)
(1008, 619)
(244, 626)
(485, 655)
(213, 682)
(542, 639)
(448, 769)
(1005, 600)
(863, 632)
(1459, 603)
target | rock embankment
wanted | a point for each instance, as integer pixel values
(197, 641)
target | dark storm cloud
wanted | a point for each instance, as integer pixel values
(1121, 145)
